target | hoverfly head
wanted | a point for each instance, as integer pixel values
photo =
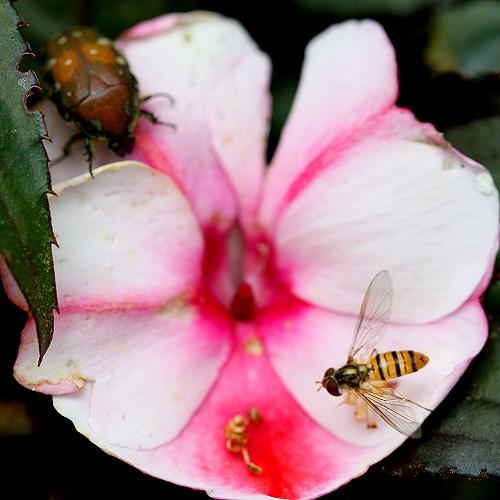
(330, 382)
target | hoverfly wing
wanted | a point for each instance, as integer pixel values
(392, 407)
(374, 315)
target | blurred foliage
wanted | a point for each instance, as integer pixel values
(466, 39)
(15, 419)
(461, 438)
(112, 17)
(356, 8)
(479, 139)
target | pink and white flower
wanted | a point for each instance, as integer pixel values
(204, 284)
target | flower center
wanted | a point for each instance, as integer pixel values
(239, 274)
(243, 304)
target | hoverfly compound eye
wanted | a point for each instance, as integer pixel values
(330, 382)
(332, 387)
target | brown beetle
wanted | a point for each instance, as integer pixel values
(93, 88)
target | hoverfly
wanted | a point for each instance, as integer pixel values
(359, 377)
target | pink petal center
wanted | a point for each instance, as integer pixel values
(239, 273)
(243, 304)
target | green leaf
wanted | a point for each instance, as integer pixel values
(26, 233)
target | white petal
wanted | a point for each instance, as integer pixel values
(392, 200)
(136, 376)
(219, 80)
(126, 236)
(349, 76)
(303, 345)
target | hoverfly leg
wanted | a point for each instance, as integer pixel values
(370, 420)
(362, 412)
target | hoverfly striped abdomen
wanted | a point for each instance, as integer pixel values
(393, 364)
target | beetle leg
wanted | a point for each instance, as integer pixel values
(71, 141)
(158, 94)
(147, 114)
(89, 149)
(67, 147)
(152, 118)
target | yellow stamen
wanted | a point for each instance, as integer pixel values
(237, 438)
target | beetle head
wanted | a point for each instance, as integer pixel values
(124, 145)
